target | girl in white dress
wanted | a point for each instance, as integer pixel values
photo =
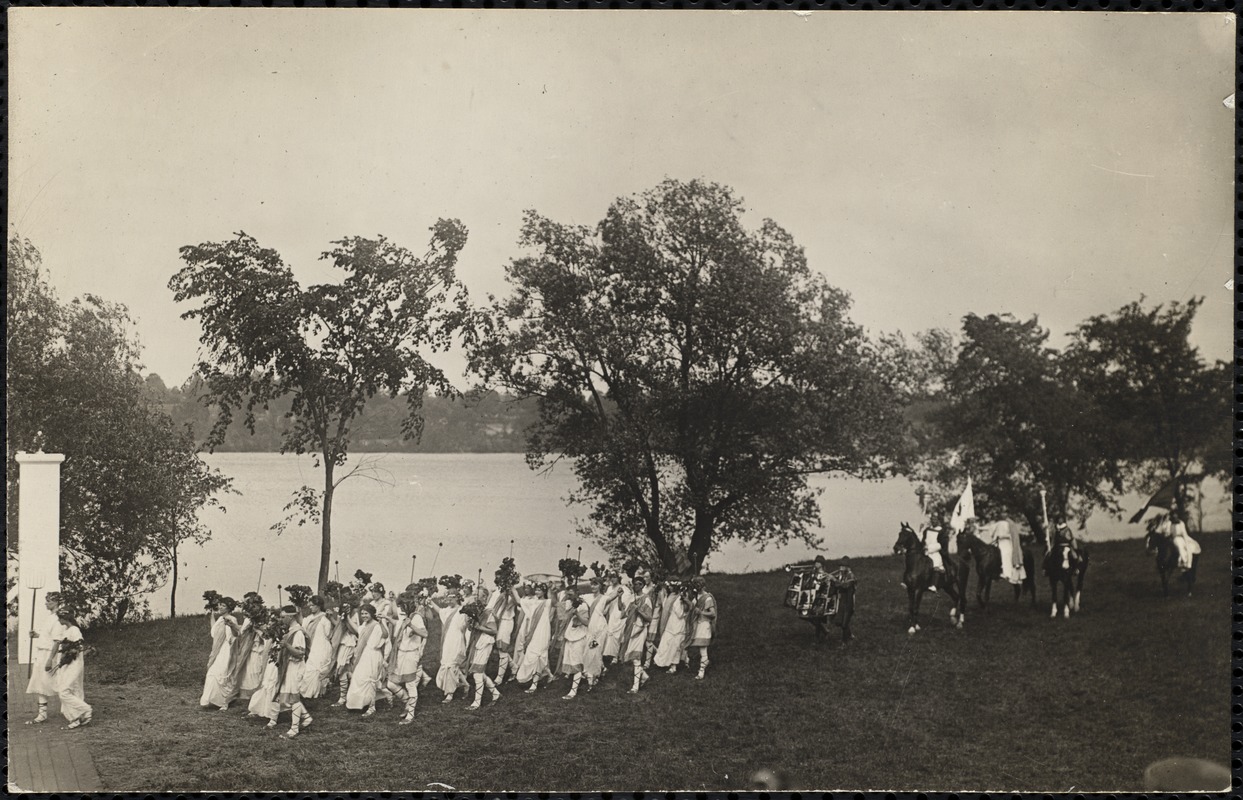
(616, 612)
(597, 631)
(454, 641)
(67, 673)
(346, 635)
(291, 664)
(44, 641)
(405, 672)
(574, 640)
(218, 686)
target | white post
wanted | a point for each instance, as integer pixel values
(38, 541)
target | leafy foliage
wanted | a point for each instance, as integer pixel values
(1169, 409)
(693, 371)
(132, 483)
(328, 348)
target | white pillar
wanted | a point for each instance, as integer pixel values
(38, 541)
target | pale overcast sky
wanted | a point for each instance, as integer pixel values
(932, 164)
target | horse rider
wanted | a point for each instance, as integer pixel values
(1174, 526)
(1063, 535)
(932, 547)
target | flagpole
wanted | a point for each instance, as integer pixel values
(1048, 534)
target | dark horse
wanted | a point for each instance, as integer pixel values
(1066, 569)
(1167, 561)
(987, 559)
(919, 575)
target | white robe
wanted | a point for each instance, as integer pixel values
(68, 680)
(319, 659)
(673, 637)
(617, 623)
(40, 680)
(454, 638)
(536, 634)
(218, 687)
(365, 682)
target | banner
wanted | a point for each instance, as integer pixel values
(964, 509)
(1164, 498)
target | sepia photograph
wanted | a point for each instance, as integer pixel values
(466, 400)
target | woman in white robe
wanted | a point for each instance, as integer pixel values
(43, 642)
(346, 636)
(534, 634)
(292, 663)
(219, 687)
(672, 645)
(454, 642)
(574, 640)
(319, 658)
(616, 615)
(263, 699)
(634, 637)
(597, 632)
(256, 663)
(405, 671)
(67, 678)
(367, 673)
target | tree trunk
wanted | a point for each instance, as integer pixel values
(172, 596)
(701, 540)
(325, 548)
(668, 558)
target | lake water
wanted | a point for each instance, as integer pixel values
(475, 503)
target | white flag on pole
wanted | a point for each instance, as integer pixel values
(964, 509)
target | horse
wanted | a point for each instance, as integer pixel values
(1066, 570)
(818, 605)
(1167, 561)
(919, 574)
(987, 559)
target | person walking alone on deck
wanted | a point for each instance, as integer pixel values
(44, 640)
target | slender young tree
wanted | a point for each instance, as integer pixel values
(329, 348)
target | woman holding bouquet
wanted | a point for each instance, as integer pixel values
(257, 655)
(319, 658)
(505, 609)
(574, 640)
(483, 629)
(66, 667)
(218, 687)
(404, 670)
(616, 611)
(367, 671)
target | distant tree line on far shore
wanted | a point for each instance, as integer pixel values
(484, 423)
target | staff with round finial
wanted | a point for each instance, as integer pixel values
(580, 555)
(479, 579)
(413, 559)
(1048, 534)
(280, 596)
(434, 560)
(567, 549)
(259, 585)
(511, 548)
(337, 566)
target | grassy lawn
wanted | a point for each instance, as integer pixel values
(1014, 702)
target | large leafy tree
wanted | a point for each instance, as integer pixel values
(695, 373)
(1169, 409)
(328, 348)
(1007, 414)
(132, 484)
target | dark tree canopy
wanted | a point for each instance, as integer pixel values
(327, 348)
(693, 371)
(1169, 410)
(1007, 415)
(132, 484)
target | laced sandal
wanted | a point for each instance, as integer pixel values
(495, 697)
(370, 712)
(292, 733)
(407, 720)
(40, 718)
(271, 724)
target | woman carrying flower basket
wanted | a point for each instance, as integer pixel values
(44, 642)
(66, 667)
(218, 688)
(367, 672)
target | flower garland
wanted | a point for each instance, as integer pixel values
(571, 569)
(453, 583)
